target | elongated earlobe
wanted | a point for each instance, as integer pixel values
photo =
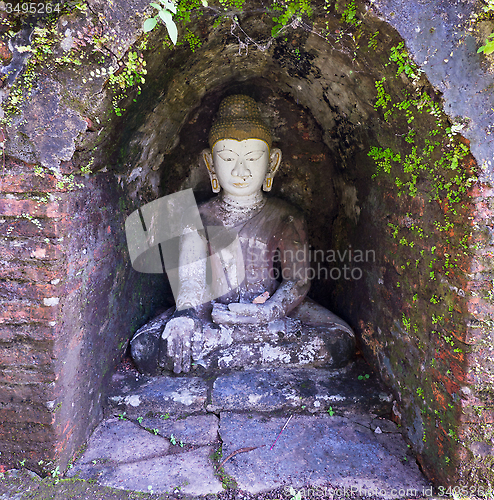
(208, 160)
(274, 163)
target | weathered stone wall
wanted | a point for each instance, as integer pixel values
(414, 309)
(443, 38)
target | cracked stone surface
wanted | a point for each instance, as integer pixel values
(313, 388)
(121, 454)
(351, 446)
(315, 450)
(196, 429)
(120, 441)
(191, 472)
(159, 395)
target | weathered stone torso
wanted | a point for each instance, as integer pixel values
(273, 242)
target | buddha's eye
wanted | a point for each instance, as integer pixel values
(226, 156)
(254, 156)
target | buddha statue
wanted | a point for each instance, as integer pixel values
(265, 316)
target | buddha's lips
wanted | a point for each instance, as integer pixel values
(240, 184)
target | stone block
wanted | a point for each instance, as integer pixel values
(27, 182)
(33, 413)
(318, 450)
(196, 429)
(28, 436)
(190, 473)
(27, 394)
(31, 354)
(314, 389)
(160, 395)
(121, 441)
(26, 375)
(29, 249)
(11, 290)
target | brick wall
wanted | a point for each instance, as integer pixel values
(31, 269)
(476, 422)
(67, 309)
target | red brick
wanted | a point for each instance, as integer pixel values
(28, 182)
(11, 290)
(27, 332)
(12, 452)
(15, 228)
(480, 265)
(37, 414)
(479, 307)
(35, 208)
(485, 416)
(27, 433)
(21, 271)
(27, 394)
(474, 334)
(14, 313)
(33, 248)
(482, 190)
(5, 53)
(29, 375)
(19, 354)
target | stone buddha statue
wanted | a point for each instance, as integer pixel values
(265, 316)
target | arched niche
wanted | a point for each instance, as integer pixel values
(317, 88)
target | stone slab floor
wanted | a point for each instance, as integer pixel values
(256, 431)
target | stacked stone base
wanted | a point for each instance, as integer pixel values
(199, 434)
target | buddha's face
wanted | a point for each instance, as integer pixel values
(243, 166)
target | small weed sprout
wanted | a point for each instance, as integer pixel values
(331, 411)
(173, 441)
(55, 474)
(166, 9)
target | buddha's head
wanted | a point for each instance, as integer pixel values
(241, 159)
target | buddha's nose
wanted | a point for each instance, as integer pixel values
(240, 170)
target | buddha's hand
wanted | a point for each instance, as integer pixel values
(183, 336)
(244, 314)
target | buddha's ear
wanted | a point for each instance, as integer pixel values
(274, 164)
(208, 161)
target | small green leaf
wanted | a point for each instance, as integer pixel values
(172, 30)
(149, 24)
(204, 3)
(156, 6)
(488, 48)
(166, 15)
